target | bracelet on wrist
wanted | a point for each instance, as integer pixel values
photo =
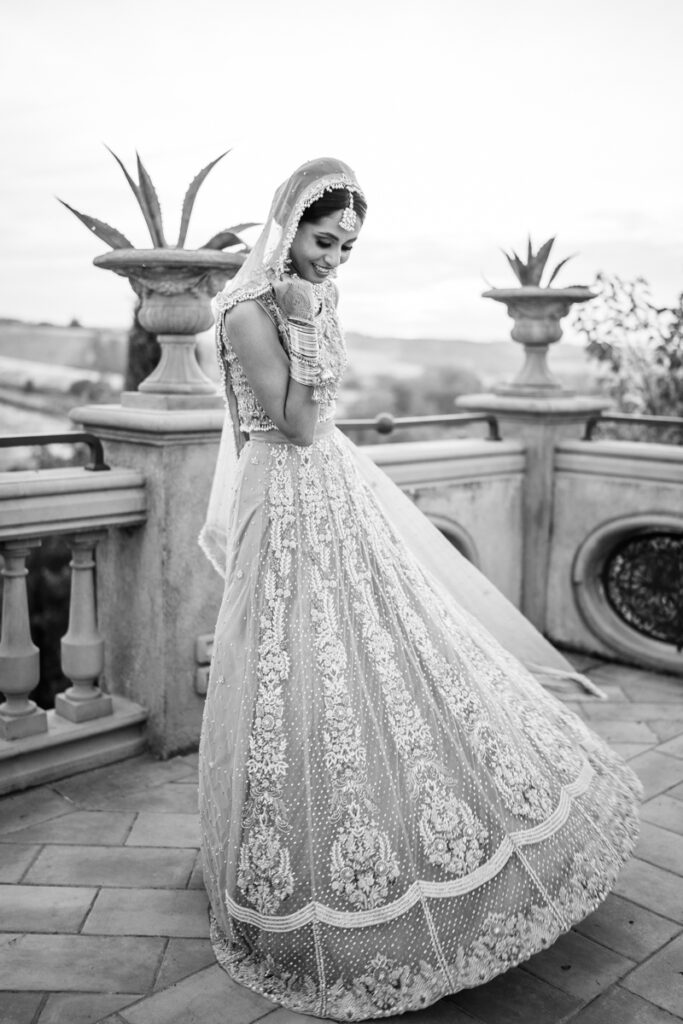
(303, 375)
(303, 351)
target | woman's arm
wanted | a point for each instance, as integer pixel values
(290, 405)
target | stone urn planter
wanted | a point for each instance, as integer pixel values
(537, 313)
(175, 287)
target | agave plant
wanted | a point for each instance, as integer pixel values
(145, 193)
(531, 272)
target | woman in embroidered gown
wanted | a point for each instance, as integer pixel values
(393, 808)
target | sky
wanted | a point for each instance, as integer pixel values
(469, 124)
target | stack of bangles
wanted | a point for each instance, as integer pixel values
(303, 352)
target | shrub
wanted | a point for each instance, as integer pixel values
(638, 347)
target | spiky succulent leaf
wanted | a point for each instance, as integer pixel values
(138, 193)
(230, 236)
(105, 232)
(221, 240)
(518, 268)
(190, 196)
(544, 251)
(558, 268)
(151, 207)
(531, 272)
(523, 268)
(239, 228)
(539, 261)
(133, 184)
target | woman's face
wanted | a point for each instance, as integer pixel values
(319, 247)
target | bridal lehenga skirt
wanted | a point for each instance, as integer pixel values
(393, 808)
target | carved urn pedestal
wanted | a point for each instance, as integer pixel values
(537, 313)
(158, 596)
(536, 409)
(175, 287)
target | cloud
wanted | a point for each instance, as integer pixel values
(468, 124)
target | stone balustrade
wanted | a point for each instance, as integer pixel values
(139, 621)
(79, 506)
(19, 656)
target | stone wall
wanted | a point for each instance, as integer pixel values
(605, 492)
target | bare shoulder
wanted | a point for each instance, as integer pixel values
(248, 323)
(246, 315)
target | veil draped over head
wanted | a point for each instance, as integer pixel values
(267, 262)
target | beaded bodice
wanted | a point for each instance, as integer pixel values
(252, 415)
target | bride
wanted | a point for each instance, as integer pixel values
(393, 807)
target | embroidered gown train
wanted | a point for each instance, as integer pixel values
(392, 807)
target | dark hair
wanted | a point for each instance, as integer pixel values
(331, 201)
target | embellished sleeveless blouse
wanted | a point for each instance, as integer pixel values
(252, 416)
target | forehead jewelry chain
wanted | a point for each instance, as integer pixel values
(347, 221)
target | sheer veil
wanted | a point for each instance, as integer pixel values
(455, 577)
(266, 262)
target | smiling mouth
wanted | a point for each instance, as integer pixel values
(322, 270)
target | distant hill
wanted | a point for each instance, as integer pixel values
(101, 349)
(104, 349)
(491, 361)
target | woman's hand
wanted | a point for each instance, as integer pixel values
(296, 298)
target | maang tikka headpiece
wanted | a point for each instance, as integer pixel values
(347, 221)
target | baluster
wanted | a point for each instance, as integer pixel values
(82, 645)
(19, 656)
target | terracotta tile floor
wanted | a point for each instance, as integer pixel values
(103, 912)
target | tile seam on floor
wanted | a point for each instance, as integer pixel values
(642, 906)
(656, 824)
(645, 960)
(53, 817)
(672, 757)
(98, 890)
(40, 1007)
(153, 992)
(604, 945)
(654, 864)
(117, 846)
(20, 880)
(132, 826)
(191, 974)
(157, 970)
(60, 842)
(522, 966)
(196, 861)
(580, 1009)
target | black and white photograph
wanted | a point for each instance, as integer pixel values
(341, 512)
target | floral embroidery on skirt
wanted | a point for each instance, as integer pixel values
(392, 807)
